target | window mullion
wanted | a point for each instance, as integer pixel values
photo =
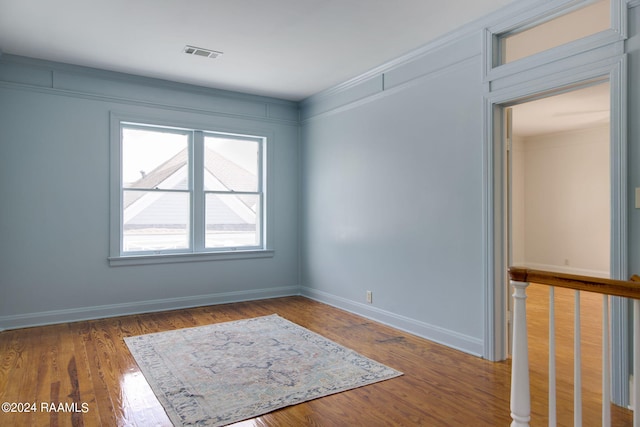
(261, 189)
(197, 192)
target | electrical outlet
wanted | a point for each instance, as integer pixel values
(369, 297)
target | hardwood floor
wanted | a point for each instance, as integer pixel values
(87, 364)
(591, 341)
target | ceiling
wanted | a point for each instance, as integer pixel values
(287, 49)
(578, 109)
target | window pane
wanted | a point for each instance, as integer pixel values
(155, 159)
(231, 164)
(231, 220)
(573, 26)
(155, 220)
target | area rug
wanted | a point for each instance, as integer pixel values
(219, 374)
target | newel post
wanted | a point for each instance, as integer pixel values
(520, 392)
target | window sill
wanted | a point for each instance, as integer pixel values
(123, 261)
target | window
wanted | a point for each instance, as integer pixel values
(551, 34)
(583, 22)
(187, 191)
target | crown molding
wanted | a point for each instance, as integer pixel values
(467, 30)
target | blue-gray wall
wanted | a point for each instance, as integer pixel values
(377, 186)
(392, 185)
(54, 187)
(392, 197)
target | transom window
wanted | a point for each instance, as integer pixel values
(589, 19)
(189, 191)
(553, 33)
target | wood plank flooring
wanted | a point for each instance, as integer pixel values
(87, 364)
(591, 341)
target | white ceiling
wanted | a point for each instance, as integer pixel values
(578, 109)
(288, 49)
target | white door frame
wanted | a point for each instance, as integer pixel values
(612, 70)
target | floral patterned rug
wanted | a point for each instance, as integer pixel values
(227, 372)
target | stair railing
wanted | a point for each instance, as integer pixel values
(520, 389)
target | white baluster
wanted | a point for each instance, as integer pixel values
(577, 365)
(552, 358)
(606, 364)
(520, 391)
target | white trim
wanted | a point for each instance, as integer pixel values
(124, 261)
(469, 29)
(148, 104)
(113, 310)
(433, 333)
(407, 85)
(99, 84)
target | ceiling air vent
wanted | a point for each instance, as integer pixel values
(198, 51)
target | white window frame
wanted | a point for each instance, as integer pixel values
(197, 250)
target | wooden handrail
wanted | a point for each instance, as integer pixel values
(621, 288)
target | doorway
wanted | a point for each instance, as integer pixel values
(556, 208)
(558, 198)
(559, 212)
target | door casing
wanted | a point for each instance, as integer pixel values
(495, 193)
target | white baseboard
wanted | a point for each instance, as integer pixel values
(112, 310)
(566, 269)
(437, 334)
